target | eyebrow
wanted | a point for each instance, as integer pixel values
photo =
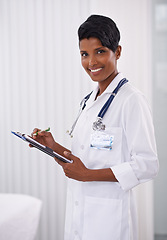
(94, 49)
(99, 48)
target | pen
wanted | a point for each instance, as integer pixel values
(46, 130)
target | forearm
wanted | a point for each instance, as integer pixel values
(99, 175)
(78, 171)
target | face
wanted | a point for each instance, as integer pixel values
(98, 61)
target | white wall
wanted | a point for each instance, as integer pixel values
(42, 84)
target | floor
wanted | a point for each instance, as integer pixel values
(160, 237)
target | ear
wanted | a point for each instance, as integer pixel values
(118, 52)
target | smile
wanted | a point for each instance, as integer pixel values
(95, 70)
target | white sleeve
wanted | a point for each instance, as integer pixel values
(139, 134)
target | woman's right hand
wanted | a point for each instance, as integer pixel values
(45, 138)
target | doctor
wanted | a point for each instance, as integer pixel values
(113, 147)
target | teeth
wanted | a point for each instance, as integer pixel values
(95, 70)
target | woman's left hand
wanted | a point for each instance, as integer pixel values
(75, 170)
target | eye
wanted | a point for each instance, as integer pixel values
(84, 54)
(100, 51)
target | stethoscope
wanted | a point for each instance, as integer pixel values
(98, 124)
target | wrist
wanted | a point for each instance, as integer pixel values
(88, 175)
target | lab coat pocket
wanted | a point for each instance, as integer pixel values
(107, 158)
(102, 219)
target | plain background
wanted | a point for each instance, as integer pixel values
(42, 84)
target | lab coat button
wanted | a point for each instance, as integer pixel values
(76, 203)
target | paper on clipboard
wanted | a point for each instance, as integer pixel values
(41, 147)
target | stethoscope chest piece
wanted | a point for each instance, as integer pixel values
(98, 125)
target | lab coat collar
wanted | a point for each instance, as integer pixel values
(108, 90)
(113, 84)
(110, 87)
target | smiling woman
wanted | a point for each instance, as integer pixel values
(111, 155)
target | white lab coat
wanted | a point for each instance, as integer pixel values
(106, 210)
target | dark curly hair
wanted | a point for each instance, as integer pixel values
(101, 27)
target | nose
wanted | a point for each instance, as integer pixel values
(92, 61)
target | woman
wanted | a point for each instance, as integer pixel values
(113, 147)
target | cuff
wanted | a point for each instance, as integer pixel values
(125, 176)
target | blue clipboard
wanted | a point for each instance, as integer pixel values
(41, 147)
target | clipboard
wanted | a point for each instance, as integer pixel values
(41, 147)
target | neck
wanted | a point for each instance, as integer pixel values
(104, 84)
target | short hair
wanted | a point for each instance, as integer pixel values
(101, 27)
